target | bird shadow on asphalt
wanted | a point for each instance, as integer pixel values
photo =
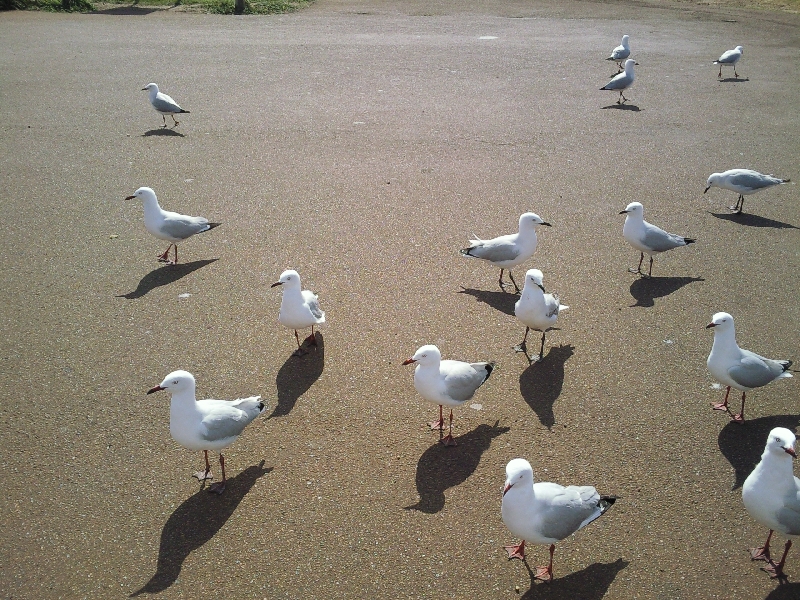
(646, 289)
(540, 384)
(586, 584)
(165, 131)
(785, 591)
(194, 523)
(752, 220)
(631, 107)
(502, 301)
(733, 80)
(298, 374)
(164, 276)
(441, 467)
(743, 445)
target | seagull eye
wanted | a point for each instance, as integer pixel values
(175, 382)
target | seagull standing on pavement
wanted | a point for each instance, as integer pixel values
(647, 238)
(163, 104)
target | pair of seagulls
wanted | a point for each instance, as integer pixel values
(625, 77)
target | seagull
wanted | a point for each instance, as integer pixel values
(510, 250)
(536, 309)
(449, 382)
(729, 57)
(167, 225)
(771, 494)
(744, 181)
(621, 52)
(741, 369)
(163, 104)
(206, 424)
(299, 308)
(622, 81)
(546, 513)
(645, 237)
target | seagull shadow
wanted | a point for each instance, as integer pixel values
(743, 445)
(502, 301)
(733, 80)
(298, 374)
(540, 384)
(646, 289)
(126, 10)
(785, 591)
(164, 276)
(194, 523)
(587, 584)
(752, 220)
(441, 467)
(631, 107)
(165, 131)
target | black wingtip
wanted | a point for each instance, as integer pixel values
(490, 366)
(607, 502)
(689, 240)
(261, 407)
(213, 225)
(786, 364)
(185, 111)
(465, 251)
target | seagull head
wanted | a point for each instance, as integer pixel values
(634, 208)
(625, 39)
(531, 221)
(721, 321)
(145, 193)
(425, 355)
(781, 441)
(713, 180)
(740, 49)
(289, 278)
(629, 65)
(150, 87)
(534, 276)
(518, 471)
(177, 381)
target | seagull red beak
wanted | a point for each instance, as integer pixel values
(130, 197)
(508, 487)
(409, 361)
(790, 451)
(710, 325)
(276, 284)
(158, 388)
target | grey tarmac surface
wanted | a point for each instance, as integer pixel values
(363, 143)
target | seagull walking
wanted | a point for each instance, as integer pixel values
(771, 494)
(536, 309)
(729, 57)
(299, 308)
(206, 424)
(744, 182)
(163, 104)
(621, 52)
(646, 237)
(170, 226)
(546, 513)
(738, 368)
(449, 382)
(510, 250)
(622, 81)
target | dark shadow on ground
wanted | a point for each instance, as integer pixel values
(785, 591)
(194, 523)
(132, 10)
(752, 220)
(591, 583)
(441, 467)
(298, 374)
(502, 301)
(733, 80)
(631, 107)
(743, 445)
(164, 276)
(540, 384)
(167, 131)
(646, 289)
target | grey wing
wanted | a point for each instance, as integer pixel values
(495, 251)
(659, 240)
(620, 52)
(789, 515)
(753, 370)
(183, 226)
(462, 382)
(754, 180)
(728, 56)
(620, 82)
(224, 422)
(566, 511)
(164, 103)
(312, 301)
(552, 304)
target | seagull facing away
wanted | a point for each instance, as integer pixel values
(163, 104)
(737, 368)
(167, 225)
(729, 57)
(646, 237)
(299, 308)
(621, 52)
(449, 382)
(622, 81)
(510, 250)
(546, 513)
(206, 424)
(771, 494)
(743, 181)
(536, 309)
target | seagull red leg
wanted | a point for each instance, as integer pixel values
(739, 418)
(165, 256)
(299, 351)
(517, 551)
(639, 268)
(724, 404)
(762, 553)
(312, 339)
(440, 423)
(448, 439)
(546, 573)
(219, 487)
(510, 276)
(207, 474)
(776, 571)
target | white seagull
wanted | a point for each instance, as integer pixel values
(771, 494)
(729, 57)
(646, 237)
(737, 368)
(622, 82)
(536, 309)
(299, 308)
(206, 424)
(166, 225)
(510, 250)
(163, 104)
(743, 181)
(621, 52)
(449, 382)
(546, 513)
